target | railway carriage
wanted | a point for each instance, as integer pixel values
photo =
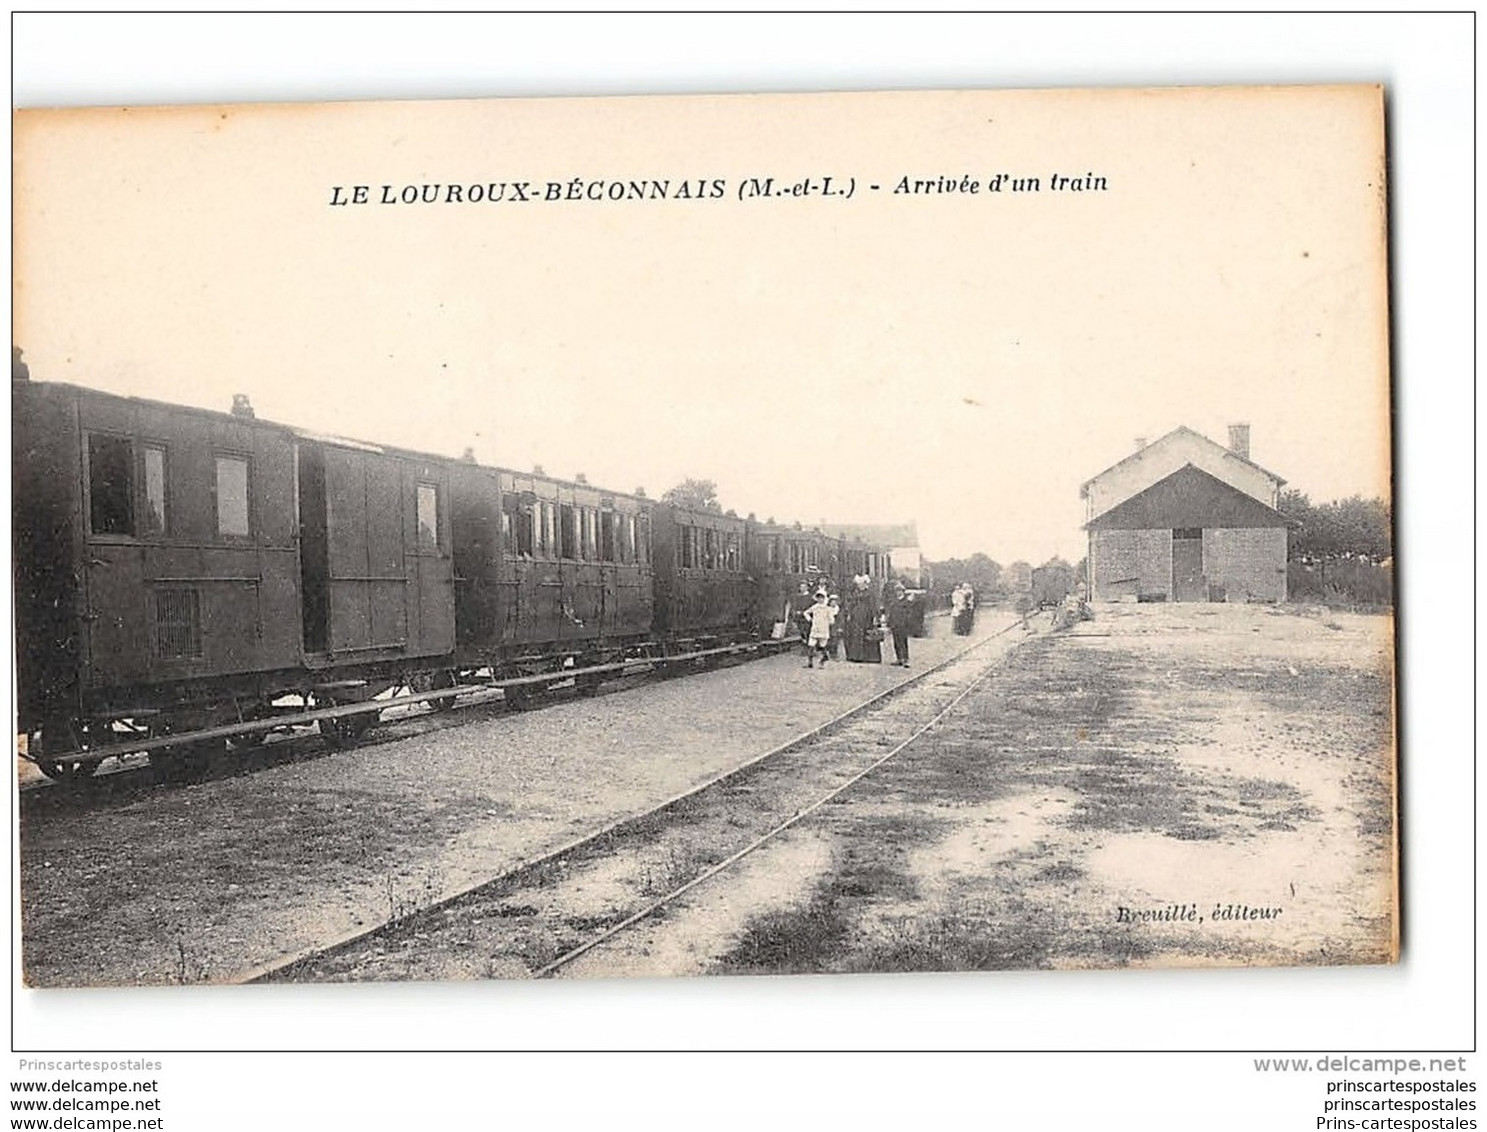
(179, 569)
(550, 575)
(704, 595)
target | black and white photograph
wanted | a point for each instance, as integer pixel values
(716, 535)
(742, 570)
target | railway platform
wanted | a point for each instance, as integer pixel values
(240, 873)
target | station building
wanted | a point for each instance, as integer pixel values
(1186, 519)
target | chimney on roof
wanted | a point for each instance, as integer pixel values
(1239, 439)
(241, 406)
(1140, 443)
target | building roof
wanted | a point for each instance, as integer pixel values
(1160, 442)
(1189, 498)
(878, 534)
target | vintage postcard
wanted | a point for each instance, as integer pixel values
(675, 536)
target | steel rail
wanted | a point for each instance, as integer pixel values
(267, 971)
(728, 862)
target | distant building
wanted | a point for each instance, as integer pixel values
(1185, 519)
(901, 539)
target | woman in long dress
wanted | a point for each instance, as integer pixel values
(862, 623)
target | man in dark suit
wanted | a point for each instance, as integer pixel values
(900, 617)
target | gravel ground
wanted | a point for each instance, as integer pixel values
(1167, 785)
(210, 881)
(520, 926)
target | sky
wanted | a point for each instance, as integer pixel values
(962, 360)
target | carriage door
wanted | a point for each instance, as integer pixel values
(314, 562)
(429, 565)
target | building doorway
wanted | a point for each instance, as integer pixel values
(1188, 583)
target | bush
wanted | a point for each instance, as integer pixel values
(1342, 583)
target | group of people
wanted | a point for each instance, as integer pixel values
(829, 624)
(963, 608)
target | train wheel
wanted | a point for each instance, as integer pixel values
(65, 739)
(431, 681)
(248, 742)
(188, 761)
(67, 770)
(347, 730)
(444, 680)
(588, 685)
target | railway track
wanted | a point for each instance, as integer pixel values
(538, 918)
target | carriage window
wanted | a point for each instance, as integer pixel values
(525, 528)
(154, 491)
(110, 485)
(586, 531)
(232, 496)
(643, 539)
(690, 557)
(428, 516)
(625, 537)
(569, 532)
(508, 522)
(550, 529)
(539, 528)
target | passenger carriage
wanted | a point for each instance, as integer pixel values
(550, 575)
(703, 590)
(179, 569)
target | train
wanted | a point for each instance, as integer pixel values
(180, 572)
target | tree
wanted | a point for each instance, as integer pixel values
(1052, 581)
(700, 495)
(1345, 528)
(979, 570)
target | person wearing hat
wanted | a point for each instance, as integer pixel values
(863, 638)
(800, 601)
(899, 615)
(820, 615)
